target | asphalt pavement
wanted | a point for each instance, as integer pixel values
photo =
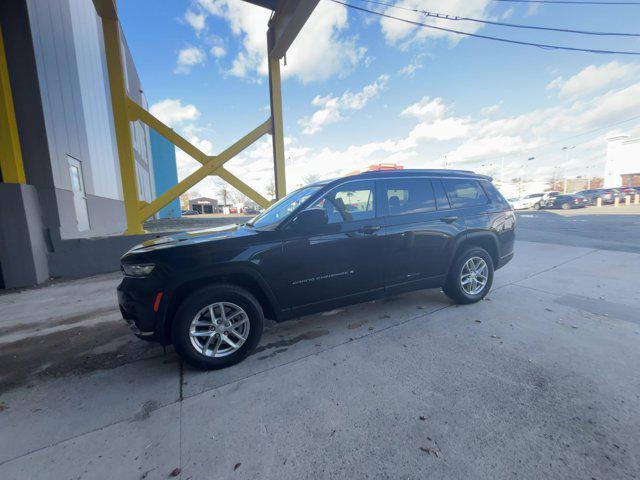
(539, 380)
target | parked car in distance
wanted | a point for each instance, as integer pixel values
(525, 202)
(628, 191)
(208, 292)
(189, 212)
(567, 202)
(546, 198)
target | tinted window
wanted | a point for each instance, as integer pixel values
(494, 194)
(283, 207)
(410, 195)
(442, 202)
(464, 193)
(350, 202)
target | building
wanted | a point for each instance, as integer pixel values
(622, 168)
(165, 171)
(203, 205)
(55, 91)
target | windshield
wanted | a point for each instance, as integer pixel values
(280, 210)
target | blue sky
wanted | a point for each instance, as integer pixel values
(360, 90)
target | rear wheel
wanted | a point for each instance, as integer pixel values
(470, 276)
(536, 206)
(566, 206)
(217, 326)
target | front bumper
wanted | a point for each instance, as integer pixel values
(504, 260)
(136, 302)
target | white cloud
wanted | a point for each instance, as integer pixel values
(319, 52)
(426, 109)
(189, 57)
(332, 107)
(491, 109)
(218, 51)
(197, 20)
(395, 31)
(593, 78)
(171, 112)
(410, 69)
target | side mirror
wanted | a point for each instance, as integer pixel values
(309, 220)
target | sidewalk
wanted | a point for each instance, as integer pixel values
(539, 380)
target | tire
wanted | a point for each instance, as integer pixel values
(241, 308)
(536, 206)
(453, 287)
(566, 206)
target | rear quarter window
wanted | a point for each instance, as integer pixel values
(464, 193)
(496, 197)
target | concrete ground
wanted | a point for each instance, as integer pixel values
(539, 380)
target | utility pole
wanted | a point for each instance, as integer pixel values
(564, 167)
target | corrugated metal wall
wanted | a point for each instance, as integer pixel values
(71, 66)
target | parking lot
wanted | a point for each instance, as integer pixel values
(539, 380)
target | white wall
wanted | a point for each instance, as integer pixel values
(87, 35)
(623, 157)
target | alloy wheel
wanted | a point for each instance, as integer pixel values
(219, 329)
(474, 276)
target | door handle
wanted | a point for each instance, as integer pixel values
(448, 219)
(369, 229)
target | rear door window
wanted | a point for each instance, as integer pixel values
(409, 195)
(442, 202)
(464, 193)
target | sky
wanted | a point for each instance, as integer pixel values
(360, 89)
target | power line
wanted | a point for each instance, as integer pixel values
(569, 2)
(502, 24)
(487, 37)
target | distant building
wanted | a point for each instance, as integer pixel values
(165, 171)
(622, 168)
(520, 189)
(203, 205)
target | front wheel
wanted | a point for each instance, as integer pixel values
(536, 206)
(470, 276)
(566, 206)
(217, 327)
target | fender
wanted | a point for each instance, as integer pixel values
(480, 236)
(203, 277)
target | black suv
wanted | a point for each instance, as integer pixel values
(325, 245)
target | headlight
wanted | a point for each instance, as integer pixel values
(139, 270)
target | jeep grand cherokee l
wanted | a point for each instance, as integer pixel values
(328, 244)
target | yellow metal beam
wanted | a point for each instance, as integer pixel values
(277, 130)
(11, 164)
(111, 32)
(210, 166)
(106, 8)
(242, 187)
(136, 112)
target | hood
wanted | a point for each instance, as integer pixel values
(193, 237)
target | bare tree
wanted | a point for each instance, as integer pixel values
(224, 193)
(271, 189)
